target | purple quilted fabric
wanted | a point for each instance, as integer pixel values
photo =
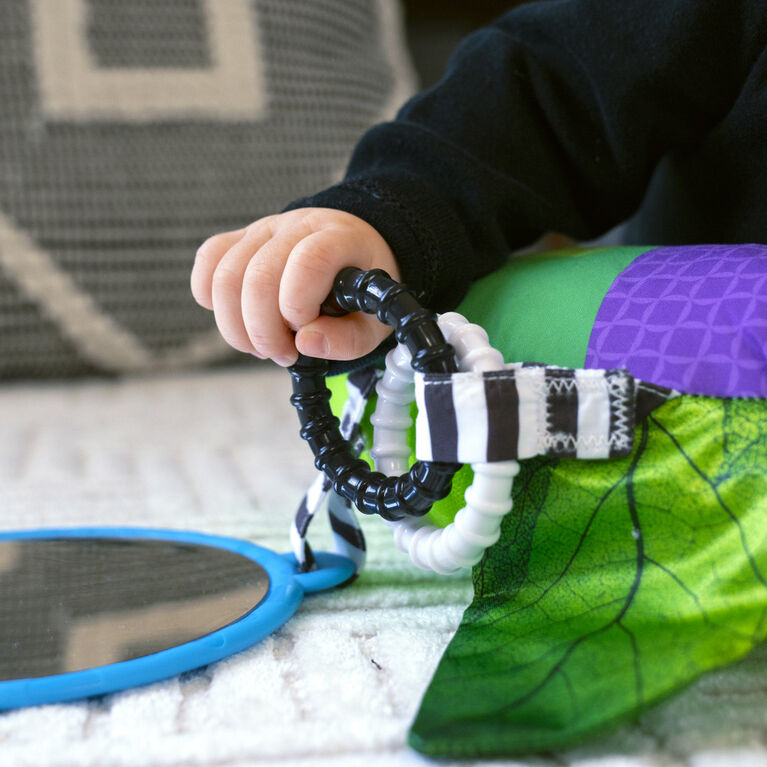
(693, 318)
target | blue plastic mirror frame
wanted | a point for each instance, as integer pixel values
(286, 589)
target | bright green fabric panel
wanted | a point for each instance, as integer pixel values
(541, 307)
(338, 396)
(614, 584)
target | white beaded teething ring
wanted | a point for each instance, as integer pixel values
(478, 524)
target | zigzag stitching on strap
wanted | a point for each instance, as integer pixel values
(560, 385)
(560, 439)
(619, 409)
(543, 425)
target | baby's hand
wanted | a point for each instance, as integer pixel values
(269, 279)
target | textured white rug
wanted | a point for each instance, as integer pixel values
(338, 685)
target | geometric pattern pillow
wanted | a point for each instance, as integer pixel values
(129, 132)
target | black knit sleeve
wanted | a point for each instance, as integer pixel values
(552, 118)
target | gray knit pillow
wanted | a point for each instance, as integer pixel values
(130, 131)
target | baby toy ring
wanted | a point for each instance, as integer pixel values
(392, 497)
(477, 525)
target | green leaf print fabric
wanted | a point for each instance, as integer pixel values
(614, 584)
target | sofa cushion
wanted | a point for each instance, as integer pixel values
(132, 131)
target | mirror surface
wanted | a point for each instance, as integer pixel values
(72, 604)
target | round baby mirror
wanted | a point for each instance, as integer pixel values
(84, 612)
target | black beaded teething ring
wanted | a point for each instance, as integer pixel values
(411, 494)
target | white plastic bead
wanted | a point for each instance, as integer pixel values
(478, 524)
(391, 419)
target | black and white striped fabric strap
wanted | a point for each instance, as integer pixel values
(528, 409)
(348, 538)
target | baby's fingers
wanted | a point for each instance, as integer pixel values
(316, 260)
(227, 286)
(264, 324)
(208, 257)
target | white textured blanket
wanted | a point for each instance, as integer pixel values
(339, 684)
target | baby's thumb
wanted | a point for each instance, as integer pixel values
(341, 338)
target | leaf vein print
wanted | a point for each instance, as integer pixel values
(598, 602)
(616, 621)
(582, 538)
(719, 499)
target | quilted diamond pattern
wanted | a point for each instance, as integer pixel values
(691, 318)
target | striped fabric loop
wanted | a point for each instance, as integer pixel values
(528, 409)
(348, 538)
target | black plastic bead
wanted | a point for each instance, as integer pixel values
(413, 493)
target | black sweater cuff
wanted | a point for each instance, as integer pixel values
(428, 258)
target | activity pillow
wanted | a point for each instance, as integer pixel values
(627, 568)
